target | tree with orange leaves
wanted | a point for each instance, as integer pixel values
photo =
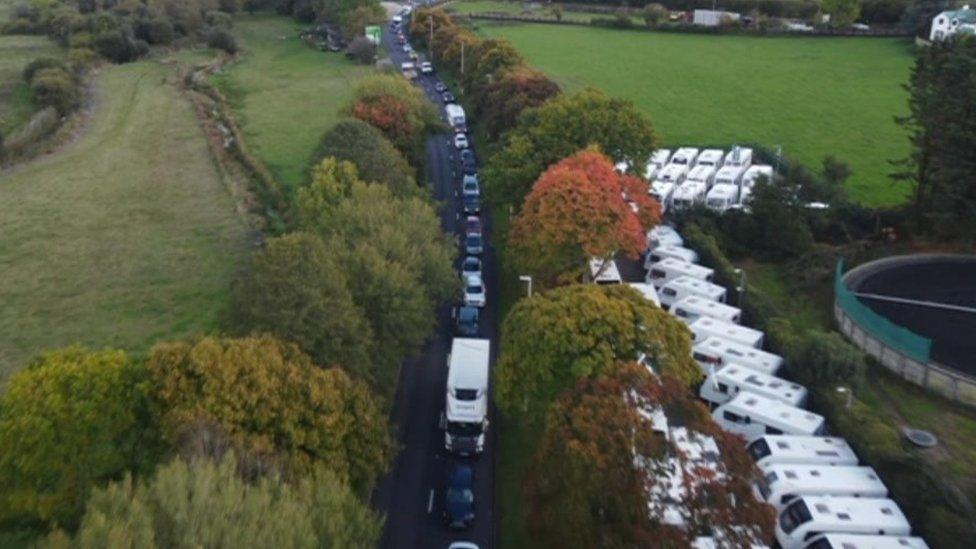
(580, 208)
(398, 109)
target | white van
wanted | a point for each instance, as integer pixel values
(710, 157)
(808, 516)
(663, 252)
(856, 541)
(754, 173)
(669, 269)
(609, 275)
(646, 290)
(660, 158)
(704, 327)
(673, 173)
(688, 194)
(663, 192)
(705, 174)
(692, 307)
(729, 175)
(716, 352)
(722, 197)
(724, 384)
(663, 235)
(786, 449)
(752, 416)
(739, 156)
(686, 286)
(781, 484)
(685, 156)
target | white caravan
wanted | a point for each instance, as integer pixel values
(704, 328)
(781, 484)
(649, 170)
(663, 192)
(752, 416)
(705, 174)
(604, 271)
(710, 157)
(785, 449)
(807, 516)
(466, 409)
(692, 307)
(673, 173)
(723, 385)
(729, 175)
(739, 156)
(688, 194)
(722, 197)
(661, 253)
(716, 352)
(660, 158)
(867, 541)
(754, 173)
(686, 286)
(646, 290)
(685, 156)
(663, 235)
(670, 269)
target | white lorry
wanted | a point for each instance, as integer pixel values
(455, 115)
(466, 407)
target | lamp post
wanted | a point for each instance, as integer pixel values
(528, 280)
(850, 396)
(740, 288)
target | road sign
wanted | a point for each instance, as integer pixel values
(373, 33)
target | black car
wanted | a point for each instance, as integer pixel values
(467, 321)
(448, 97)
(440, 87)
(468, 163)
(459, 498)
(472, 204)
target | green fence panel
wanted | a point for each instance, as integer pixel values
(901, 339)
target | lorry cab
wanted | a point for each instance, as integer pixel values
(466, 408)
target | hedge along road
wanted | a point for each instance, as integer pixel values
(411, 495)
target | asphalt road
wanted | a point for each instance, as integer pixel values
(411, 495)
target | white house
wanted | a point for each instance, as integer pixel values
(948, 23)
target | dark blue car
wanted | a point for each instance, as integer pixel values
(459, 498)
(467, 321)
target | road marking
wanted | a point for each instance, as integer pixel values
(430, 501)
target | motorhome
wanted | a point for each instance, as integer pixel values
(710, 157)
(781, 484)
(739, 156)
(722, 385)
(705, 174)
(754, 174)
(704, 327)
(646, 290)
(692, 307)
(666, 270)
(792, 450)
(663, 235)
(673, 173)
(686, 286)
(604, 271)
(685, 156)
(661, 253)
(864, 541)
(716, 352)
(688, 194)
(807, 516)
(661, 157)
(663, 192)
(752, 416)
(455, 115)
(466, 409)
(722, 197)
(729, 175)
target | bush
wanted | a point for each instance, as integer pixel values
(222, 40)
(56, 88)
(155, 31)
(363, 50)
(219, 20)
(39, 64)
(120, 46)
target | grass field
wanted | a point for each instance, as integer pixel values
(286, 93)
(813, 96)
(16, 105)
(126, 236)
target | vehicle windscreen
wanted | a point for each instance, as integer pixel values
(794, 515)
(474, 241)
(463, 429)
(471, 266)
(758, 449)
(474, 288)
(459, 496)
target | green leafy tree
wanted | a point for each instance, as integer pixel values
(54, 87)
(355, 21)
(778, 224)
(398, 261)
(511, 93)
(842, 12)
(269, 397)
(654, 14)
(823, 358)
(71, 420)
(203, 504)
(376, 159)
(559, 128)
(296, 289)
(485, 62)
(557, 337)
